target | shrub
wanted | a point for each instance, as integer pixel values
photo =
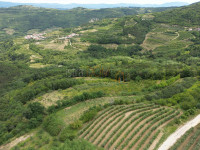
(76, 124)
(67, 133)
(90, 114)
(77, 144)
(53, 125)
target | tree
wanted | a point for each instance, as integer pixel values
(34, 110)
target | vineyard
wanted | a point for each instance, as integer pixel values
(135, 126)
(189, 141)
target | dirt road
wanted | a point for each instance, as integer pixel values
(15, 142)
(171, 140)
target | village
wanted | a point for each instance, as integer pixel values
(35, 36)
(40, 36)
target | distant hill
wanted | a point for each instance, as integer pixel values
(24, 18)
(184, 16)
(91, 6)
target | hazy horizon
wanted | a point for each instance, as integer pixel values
(100, 1)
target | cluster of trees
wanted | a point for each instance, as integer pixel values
(98, 51)
(176, 94)
(113, 35)
(171, 90)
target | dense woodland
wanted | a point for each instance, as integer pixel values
(166, 75)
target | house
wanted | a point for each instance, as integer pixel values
(190, 29)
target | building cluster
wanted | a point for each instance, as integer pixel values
(39, 36)
(194, 29)
(93, 20)
(69, 36)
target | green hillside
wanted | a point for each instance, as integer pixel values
(18, 20)
(123, 83)
(184, 16)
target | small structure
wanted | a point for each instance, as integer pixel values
(194, 29)
(190, 29)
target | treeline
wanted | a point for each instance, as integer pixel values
(131, 71)
(76, 99)
(26, 94)
(98, 51)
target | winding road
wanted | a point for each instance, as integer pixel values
(171, 140)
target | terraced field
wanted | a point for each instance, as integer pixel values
(135, 126)
(189, 141)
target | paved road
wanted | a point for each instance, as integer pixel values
(171, 140)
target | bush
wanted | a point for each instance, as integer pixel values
(53, 125)
(90, 114)
(76, 124)
(67, 133)
(77, 144)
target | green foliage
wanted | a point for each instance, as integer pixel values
(44, 85)
(76, 124)
(139, 30)
(77, 144)
(53, 125)
(67, 134)
(184, 16)
(89, 115)
(34, 109)
(25, 19)
(173, 89)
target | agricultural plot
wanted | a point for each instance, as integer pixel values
(156, 39)
(189, 141)
(135, 126)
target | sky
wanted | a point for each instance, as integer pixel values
(101, 1)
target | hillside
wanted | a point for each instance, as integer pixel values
(124, 83)
(21, 19)
(184, 16)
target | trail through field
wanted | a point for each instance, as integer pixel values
(171, 140)
(15, 142)
(177, 36)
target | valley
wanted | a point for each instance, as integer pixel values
(128, 80)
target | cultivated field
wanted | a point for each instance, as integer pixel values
(134, 126)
